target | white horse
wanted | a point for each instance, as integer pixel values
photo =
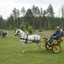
(24, 38)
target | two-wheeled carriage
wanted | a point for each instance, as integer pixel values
(55, 46)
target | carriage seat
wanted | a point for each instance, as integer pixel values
(59, 40)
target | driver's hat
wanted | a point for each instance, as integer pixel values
(58, 27)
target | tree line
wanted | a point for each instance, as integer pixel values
(35, 17)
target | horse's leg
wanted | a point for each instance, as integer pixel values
(23, 47)
(39, 46)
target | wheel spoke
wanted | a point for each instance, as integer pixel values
(56, 48)
(48, 47)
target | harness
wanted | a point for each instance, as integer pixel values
(34, 39)
(30, 40)
(25, 39)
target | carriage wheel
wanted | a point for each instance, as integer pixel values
(48, 47)
(56, 48)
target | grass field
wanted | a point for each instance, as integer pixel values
(11, 51)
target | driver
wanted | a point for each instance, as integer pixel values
(56, 35)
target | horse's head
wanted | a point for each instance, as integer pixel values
(17, 32)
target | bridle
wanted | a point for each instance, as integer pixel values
(17, 32)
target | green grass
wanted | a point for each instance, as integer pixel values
(11, 51)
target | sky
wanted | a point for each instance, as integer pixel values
(6, 6)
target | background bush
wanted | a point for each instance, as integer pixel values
(15, 29)
(22, 26)
(30, 29)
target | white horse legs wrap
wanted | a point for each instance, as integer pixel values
(39, 46)
(23, 47)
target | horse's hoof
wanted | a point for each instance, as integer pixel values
(23, 52)
(40, 51)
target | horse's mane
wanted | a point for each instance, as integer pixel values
(21, 30)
